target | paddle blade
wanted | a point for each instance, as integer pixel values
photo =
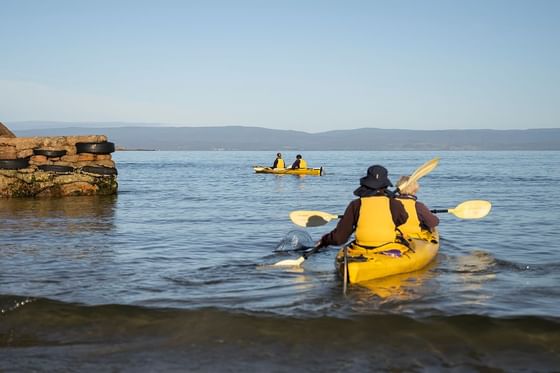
(290, 262)
(425, 169)
(474, 209)
(421, 171)
(305, 218)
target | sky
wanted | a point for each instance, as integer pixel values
(289, 64)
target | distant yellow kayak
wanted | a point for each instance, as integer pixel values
(388, 260)
(288, 171)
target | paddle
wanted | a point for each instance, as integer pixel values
(473, 209)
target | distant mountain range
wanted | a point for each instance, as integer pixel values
(159, 137)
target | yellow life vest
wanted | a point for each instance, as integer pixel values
(280, 163)
(412, 225)
(375, 224)
(302, 163)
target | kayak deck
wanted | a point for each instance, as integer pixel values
(388, 260)
(288, 171)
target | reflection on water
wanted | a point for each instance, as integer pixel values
(300, 181)
(62, 248)
(69, 214)
(279, 183)
(403, 287)
(475, 269)
(284, 183)
(52, 244)
(68, 207)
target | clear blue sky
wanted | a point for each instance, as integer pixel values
(305, 65)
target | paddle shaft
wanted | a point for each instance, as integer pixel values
(315, 249)
(435, 211)
(439, 211)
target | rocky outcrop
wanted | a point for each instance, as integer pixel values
(5, 131)
(56, 166)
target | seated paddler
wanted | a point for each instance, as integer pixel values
(420, 219)
(373, 217)
(299, 162)
(278, 162)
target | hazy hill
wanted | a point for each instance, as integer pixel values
(256, 138)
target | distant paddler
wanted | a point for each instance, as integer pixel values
(278, 162)
(299, 162)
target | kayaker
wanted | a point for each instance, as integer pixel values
(279, 162)
(419, 215)
(374, 216)
(299, 162)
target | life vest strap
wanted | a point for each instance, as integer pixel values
(380, 248)
(354, 244)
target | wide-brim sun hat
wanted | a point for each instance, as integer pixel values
(375, 179)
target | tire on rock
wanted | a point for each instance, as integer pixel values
(95, 147)
(55, 168)
(100, 170)
(14, 164)
(49, 153)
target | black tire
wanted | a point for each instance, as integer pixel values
(100, 170)
(55, 168)
(14, 164)
(95, 147)
(49, 153)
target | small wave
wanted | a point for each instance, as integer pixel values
(120, 334)
(543, 268)
(193, 282)
(10, 304)
(479, 261)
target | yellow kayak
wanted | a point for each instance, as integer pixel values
(391, 259)
(288, 171)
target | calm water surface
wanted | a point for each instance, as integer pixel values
(174, 271)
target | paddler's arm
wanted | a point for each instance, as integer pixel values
(426, 218)
(295, 164)
(345, 226)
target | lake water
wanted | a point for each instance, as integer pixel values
(173, 273)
